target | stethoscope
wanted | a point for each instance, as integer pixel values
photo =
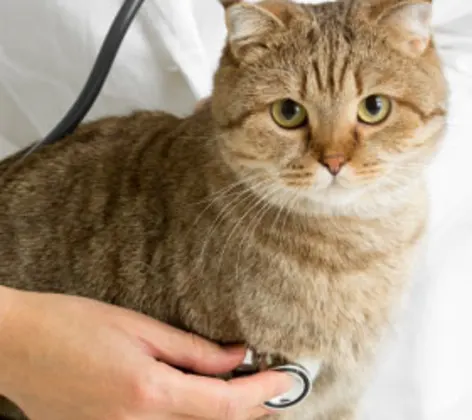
(303, 373)
(97, 77)
(304, 379)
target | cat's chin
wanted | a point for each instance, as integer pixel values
(332, 199)
(346, 200)
(338, 201)
(344, 195)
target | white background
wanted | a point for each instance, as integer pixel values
(47, 48)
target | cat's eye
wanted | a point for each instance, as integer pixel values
(289, 114)
(374, 109)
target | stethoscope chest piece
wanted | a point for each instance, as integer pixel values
(300, 391)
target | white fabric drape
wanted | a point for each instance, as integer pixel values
(47, 49)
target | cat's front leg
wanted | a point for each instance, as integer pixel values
(294, 414)
(348, 413)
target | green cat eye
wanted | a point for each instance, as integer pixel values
(374, 109)
(289, 114)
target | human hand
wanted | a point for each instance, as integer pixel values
(71, 358)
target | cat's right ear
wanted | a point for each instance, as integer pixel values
(250, 24)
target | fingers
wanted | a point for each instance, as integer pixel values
(257, 389)
(173, 417)
(258, 413)
(215, 399)
(189, 351)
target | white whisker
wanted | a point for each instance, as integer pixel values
(242, 198)
(262, 199)
(255, 222)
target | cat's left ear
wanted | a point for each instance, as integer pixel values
(406, 24)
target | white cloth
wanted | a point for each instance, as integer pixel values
(47, 49)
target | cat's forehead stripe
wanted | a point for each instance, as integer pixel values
(317, 73)
(359, 82)
(330, 64)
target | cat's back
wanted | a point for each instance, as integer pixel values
(74, 201)
(91, 141)
(102, 161)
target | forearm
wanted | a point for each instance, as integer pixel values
(6, 303)
(7, 298)
(14, 336)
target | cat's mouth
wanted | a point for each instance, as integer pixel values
(324, 181)
(327, 189)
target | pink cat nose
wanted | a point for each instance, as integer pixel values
(334, 163)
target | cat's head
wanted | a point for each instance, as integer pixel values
(332, 107)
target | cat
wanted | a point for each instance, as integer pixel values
(285, 213)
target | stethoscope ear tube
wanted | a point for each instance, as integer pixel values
(97, 77)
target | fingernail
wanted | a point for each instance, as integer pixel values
(239, 351)
(285, 383)
(288, 394)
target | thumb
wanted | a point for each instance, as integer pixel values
(189, 351)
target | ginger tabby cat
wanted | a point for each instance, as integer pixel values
(284, 214)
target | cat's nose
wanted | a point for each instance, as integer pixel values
(334, 163)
